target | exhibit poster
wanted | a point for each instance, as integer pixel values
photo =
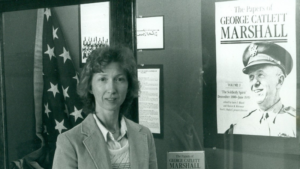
(256, 67)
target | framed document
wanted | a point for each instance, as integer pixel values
(94, 28)
(150, 32)
(151, 97)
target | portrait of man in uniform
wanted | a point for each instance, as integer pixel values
(267, 65)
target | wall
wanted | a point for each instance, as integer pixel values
(181, 60)
(18, 64)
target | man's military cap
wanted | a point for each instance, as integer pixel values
(259, 53)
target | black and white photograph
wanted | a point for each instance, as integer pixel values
(94, 27)
(142, 84)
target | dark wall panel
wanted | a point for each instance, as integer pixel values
(182, 65)
(19, 39)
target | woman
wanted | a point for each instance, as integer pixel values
(106, 139)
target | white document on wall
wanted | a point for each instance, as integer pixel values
(150, 32)
(149, 99)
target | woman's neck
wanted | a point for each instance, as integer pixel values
(110, 119)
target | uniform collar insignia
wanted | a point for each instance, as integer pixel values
(253, 50)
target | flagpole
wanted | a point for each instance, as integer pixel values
(38, 74)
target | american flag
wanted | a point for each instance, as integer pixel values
(62, 107)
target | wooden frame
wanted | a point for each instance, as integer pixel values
(3, 134)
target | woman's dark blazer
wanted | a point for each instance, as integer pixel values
(84, 147)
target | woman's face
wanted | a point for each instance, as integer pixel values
(109, 87)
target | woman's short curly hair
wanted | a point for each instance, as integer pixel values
(95, 63)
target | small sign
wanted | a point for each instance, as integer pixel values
(186, 159)
(150, 33)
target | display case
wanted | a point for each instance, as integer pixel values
(197, 87)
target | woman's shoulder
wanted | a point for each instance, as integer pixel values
(139, 127)
(77, 131)
(72, 133)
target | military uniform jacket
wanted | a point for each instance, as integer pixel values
(84, 147)
(276, 121)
